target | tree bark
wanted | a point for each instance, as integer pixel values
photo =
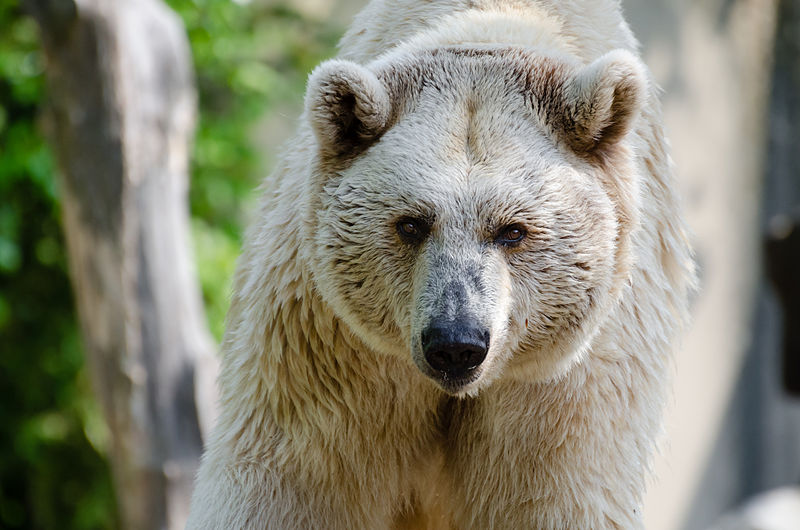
(122, 109)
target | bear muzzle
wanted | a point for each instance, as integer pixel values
(455, 349)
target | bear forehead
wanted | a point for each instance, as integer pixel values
(479, 120)
(455, 162)
(463, 148)
(469, 68)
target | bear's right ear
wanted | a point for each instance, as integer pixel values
(347, 105)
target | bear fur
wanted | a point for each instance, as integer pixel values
(496, 164)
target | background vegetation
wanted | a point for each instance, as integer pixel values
(251, 63)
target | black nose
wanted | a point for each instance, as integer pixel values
(455, 348)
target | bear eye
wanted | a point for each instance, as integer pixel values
(412, 230)
(511, 235)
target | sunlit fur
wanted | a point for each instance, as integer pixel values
(469, 117)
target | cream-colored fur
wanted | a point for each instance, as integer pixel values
(467, 117)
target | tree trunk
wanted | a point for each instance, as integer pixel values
(122, 108)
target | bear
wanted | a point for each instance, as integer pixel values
(457, 302)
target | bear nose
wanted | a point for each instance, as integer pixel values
(455, 348)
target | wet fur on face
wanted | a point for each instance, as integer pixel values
(468, 141)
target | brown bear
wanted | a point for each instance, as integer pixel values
(457, 304)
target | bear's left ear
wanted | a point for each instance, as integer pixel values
(600, 104)
(347, 105)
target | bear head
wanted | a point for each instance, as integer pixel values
(472, 207)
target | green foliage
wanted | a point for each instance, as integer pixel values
(251, 62)
(52, 475)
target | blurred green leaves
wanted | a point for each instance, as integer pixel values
(51, 475)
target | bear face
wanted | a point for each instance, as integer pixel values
(466, 205)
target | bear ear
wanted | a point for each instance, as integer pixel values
(347, 105)
(601, 102)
